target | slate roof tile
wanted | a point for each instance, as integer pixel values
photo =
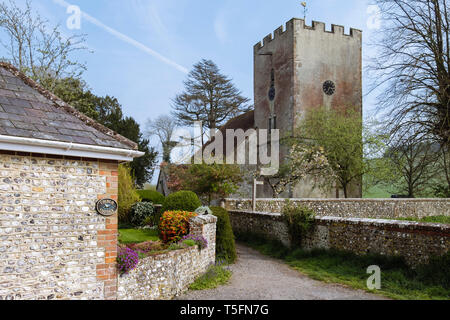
(24, 125)
(4, 100)
(47, 129)
(11, 109)
(5, 123)
(18, 132)
(27, 110)
(35, 113)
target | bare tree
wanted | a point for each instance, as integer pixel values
(163, 127)
(209, 96)
(442, 188)
(415, 162)
(35, 48)
(412, 67)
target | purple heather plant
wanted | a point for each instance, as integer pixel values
(127, 260)
(199, 240)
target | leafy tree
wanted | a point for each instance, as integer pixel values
(303, 161)
(127, 193)
(215, 180)
(207, 180)
(76, 93)
(108, 111)
(339, 134)
(209, 96)
(379, 170)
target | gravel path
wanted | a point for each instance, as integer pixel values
(258, 277)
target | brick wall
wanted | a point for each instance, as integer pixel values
(53, 244)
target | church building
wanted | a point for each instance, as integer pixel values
(296, 69)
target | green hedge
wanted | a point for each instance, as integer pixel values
(151, 196)
(181, 201)
(225, 245)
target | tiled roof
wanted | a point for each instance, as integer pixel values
(29, 111)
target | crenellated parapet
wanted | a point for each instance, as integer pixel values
(299, 25)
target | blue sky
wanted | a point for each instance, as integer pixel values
(142, 49)
(183, 32)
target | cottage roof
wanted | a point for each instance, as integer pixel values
(27, 110)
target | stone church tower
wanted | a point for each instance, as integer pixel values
(297, 69)
(303, 67)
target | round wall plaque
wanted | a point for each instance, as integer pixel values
(106, 207)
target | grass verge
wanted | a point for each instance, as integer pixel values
(214, 277)
(430, 282)
(127, 236)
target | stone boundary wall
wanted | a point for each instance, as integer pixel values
(167, 275)
(415, 242)
(353, 208)
(53, 244)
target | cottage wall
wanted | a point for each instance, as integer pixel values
(53, 244)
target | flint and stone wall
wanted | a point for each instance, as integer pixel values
(416, 242)
(164, 276)
(53, 244)
(353, 208)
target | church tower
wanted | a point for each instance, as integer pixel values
(301, 67)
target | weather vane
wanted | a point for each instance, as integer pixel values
(305, 9)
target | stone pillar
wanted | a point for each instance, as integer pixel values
(205, 226)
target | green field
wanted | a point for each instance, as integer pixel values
(376, 193)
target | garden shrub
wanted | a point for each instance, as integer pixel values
(181, 201)
(189, 243)
(198, 240)
(151, 196)
(225, 242)
(174, 225)
(174, 247)
(299, 220)
(127, 260)
(141, 213)
(127, 193)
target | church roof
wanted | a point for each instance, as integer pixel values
(29, 111)
(244, 121)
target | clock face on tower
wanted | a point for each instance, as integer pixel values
(329, 87)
